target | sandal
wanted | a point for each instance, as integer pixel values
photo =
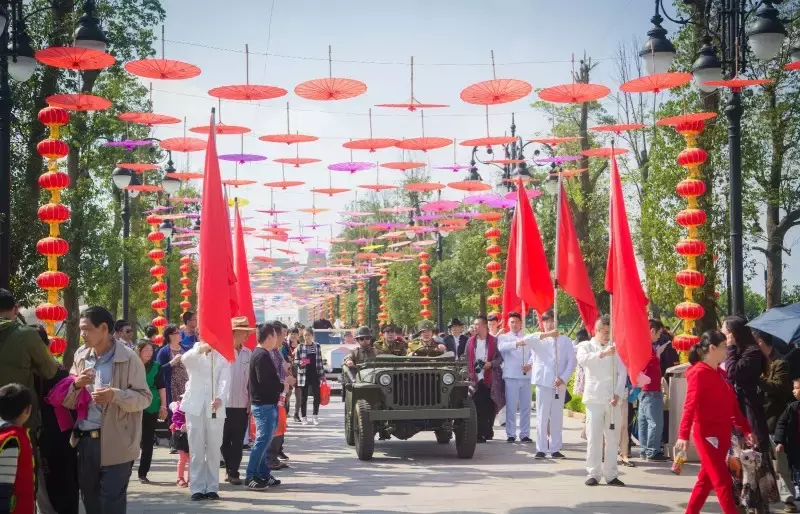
(627, 463)
(182, 483)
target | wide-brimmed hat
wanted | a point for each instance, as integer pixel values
(363, 332)
(241, 323)
(455, 322)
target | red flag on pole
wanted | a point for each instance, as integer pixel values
(234, 294)
(534, 286)
(572, 276)
(629, 321)
(243, 293)
(215, 276)
(511, 302)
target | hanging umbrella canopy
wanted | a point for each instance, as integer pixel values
(356, 214)
(297, 161)
(183, 144)
(452, 167)
(470, 185)
(331, 88)
(739, 84)
(673, 121)
(604, 152)
(780, 322)
(242, 158)
(495, 92)
(129, 144)
(238, 183)
(186, 175)
(221, 129)
(397, 210)
(370, 144)
(440, 206)
(424, 143)
(618, 128)
(288, 138)
(162, 69)
(575, 93)
(78, 102)
(148, 118)
(482, 199)
(138, 167)
(377, 187)
(656, 82)
(247, 92)
(403, 166)
(488, 141)
(330, 191)
(506, 162)
(351, 167)
(424, 187)
(74, 58)
(284, 184)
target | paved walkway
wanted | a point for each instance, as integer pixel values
(420, 475)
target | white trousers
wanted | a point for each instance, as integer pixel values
(549, 409)
(599, 417)
(518, 393)
(205, 440)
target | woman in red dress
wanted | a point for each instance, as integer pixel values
(710, 412)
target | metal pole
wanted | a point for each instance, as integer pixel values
(555, 277)
(168, 251)
(734, 113)
(5, 158)
(126, 229)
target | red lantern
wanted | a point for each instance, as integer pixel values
(51, 313)
(158, 304)
(185, 306)
(152, 219)
(425, 301)
(690, 247)
(689, 310)
(690, 187)
(52, 280)
(494, 267)
(156, 254)
(158, 271)
(425, 279)
(494, 283)
(57, 346)
(54, 180)
(158, 340)
(423, 255)
(425, 313)
(186, 260)
(494, 300)
(692, 157)
(52, 148)
(184, 268)
(691, 217)
(492, 233)
(158, 287)
(186, 293)
(690, 278)
(52, 246)
(693, 127)
(424, 267)
(493, 250)
(684, 342)
(53, 213)
(159, 322)
(425, 290)
(54, 116)
(155, 237)
(185, 281)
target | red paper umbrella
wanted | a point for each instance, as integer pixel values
(571, 173)
(377, 187)
(497, 91)
(574, 93)
(424, 187)
(470, 185)
(330, 191)
(288, 138)
(440, 206)
(220, 128)
(162, 69)
(283, 184)
(287, 252)
(530, 193)
(412, 105)
(271, 212)
(247, 92)
(403, 166)
(424, 143)
(297, 161)
(238, 182)
(618, 128)
(490, 216)
(313, 210)
(686, 118)
(138, 167)
(399, 210)
(144, 188)
(604, 152)
(504, 162)
(370, 144)
(554, 140)
(78, 102)
(148, 118)
(74, 58)
(186, 175)
(793, 66)
(656, 82)
(332, 88)
(183, 144)
(737, 84)
(488, 141)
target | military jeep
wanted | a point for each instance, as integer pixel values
(397, 396)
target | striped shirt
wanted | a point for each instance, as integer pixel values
(239, 396)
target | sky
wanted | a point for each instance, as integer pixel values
(451, 42)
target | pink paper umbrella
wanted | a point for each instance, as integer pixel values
(182, 243)
(351, 167)
(316, 251)
(483, 199)
(467, 215)
(532, 193)
(558, 159)
(440, 206)
(242, 158)
(502, 203)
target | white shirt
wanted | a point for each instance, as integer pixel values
(600, 383)
(200, 391)
(513, 357)
(543, 360)
(480, 354)
(239, 395)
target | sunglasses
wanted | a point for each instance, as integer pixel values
(363, 338)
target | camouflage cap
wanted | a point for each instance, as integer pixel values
(426, 324)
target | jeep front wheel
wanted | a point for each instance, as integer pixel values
(466, 431)
(364, 431)
(443, 436)
(349, 436)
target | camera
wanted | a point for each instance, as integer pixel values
(479, 365)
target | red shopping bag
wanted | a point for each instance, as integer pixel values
(324, 393)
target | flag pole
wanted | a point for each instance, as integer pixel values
(611, 335)
(555, 277)
(214, 135)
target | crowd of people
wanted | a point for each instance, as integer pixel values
(76, 433)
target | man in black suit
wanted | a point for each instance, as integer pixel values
(456, 342)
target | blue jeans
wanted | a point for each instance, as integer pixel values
(651, 423)
(266, 417)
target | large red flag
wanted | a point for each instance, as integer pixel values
(233, 294)
(533, 284)
(511, 302)
(631, 330)
(571, 272)
(244, 295)
(215, 276)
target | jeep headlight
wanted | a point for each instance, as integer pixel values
(385, 380)
(448, 379)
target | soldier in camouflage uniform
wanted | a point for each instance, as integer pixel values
(427, 346)
(364, 351)
(392, 343)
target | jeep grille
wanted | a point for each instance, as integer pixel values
(416, 389)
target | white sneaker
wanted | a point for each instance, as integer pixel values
(315, 420)
(305, 422)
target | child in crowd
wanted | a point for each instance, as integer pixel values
(180, 440)
(275, 449)
(787, 438)
(17, 481)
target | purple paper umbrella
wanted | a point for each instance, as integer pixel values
(317, 251)
(157, 208)
(300, 238)
(242, 158)
(352, 223)
(389, 226)
(502, 203)
(532, 193)
(481, 199)
(182, 243)
(193, 215)
(558, 159)
(129, 144)
(427, 217)
(362, 240)
(314, 226)
(351, 167)
(466, 215)
(455, 168)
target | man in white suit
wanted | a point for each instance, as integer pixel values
(204, 404)
(552, 362)
(602, 394)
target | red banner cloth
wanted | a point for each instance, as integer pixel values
(244, 294)
(629, 320)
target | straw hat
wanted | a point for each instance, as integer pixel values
(241, 323)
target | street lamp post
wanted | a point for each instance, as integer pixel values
(123, 178)
(511, 151)
(765, 37)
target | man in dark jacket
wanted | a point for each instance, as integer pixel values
(456, 341)
(776, 386)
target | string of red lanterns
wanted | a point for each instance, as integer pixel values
(494, 266)
(330, 309)
(53, 214)
(186, 281)
(425, 288)
(157, 271)
(383, 315)
(360, 306)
